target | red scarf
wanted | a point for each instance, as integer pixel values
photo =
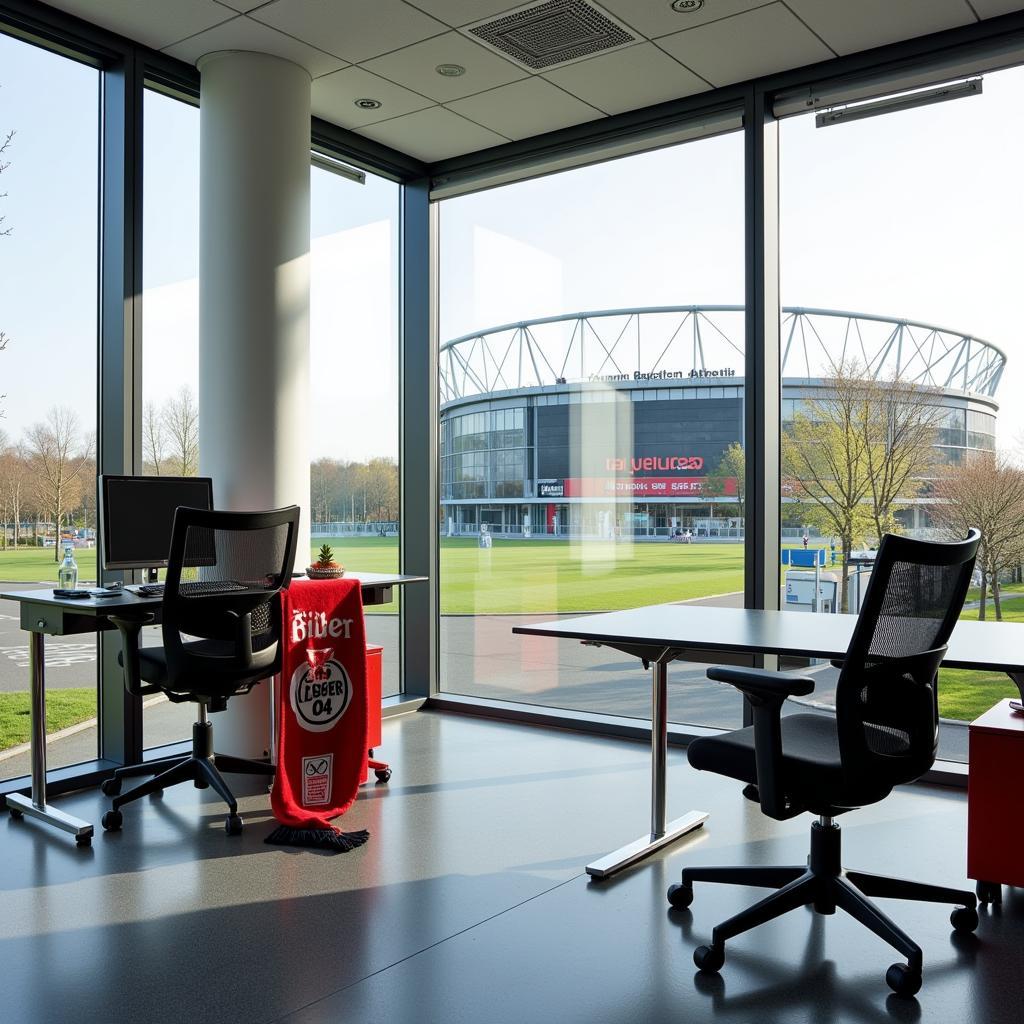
(322, 715)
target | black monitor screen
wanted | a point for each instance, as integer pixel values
(137, 513)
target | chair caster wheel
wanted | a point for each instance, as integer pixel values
(989, 892)
(83, 840)
(112, 821)
(233, 825)
(383, 774)
(709, 959)
(16, 815)
(964, 919)
(680, 896)
(111, 786)
(902, 980)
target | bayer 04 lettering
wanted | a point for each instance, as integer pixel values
(316, 625)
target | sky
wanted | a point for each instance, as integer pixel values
(917, 214)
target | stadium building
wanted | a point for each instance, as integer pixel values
(615, 422)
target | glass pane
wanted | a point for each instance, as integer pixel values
(170, 330)
(354, 387)
(903, 262)
(591, 461)
(49, 127)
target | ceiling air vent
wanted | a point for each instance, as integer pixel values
(541, 36)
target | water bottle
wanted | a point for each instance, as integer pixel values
(67, 574)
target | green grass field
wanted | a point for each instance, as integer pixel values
(64, 708)
(513, 576)
(964, 695)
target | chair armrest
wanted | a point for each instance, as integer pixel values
(129, 630)
(766, 692)
(761, 682)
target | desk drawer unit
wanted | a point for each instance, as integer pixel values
(995, 800)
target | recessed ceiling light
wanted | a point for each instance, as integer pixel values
(686, 6)
(450, 70)
(367, 104)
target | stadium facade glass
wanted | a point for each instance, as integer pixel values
(670, 380)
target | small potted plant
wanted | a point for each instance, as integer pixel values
(325, 567)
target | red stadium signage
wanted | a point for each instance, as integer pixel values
(643, 487)
(662, 463)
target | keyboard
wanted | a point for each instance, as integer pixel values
(201, 589)
(204, 587)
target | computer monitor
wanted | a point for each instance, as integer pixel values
(137, 513)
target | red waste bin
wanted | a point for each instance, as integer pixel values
(374, 660)
(374, 665)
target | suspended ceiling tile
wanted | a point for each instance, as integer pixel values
(848, 28)
(758, 42)
(628, 79)
(654, 18)
(335, 95)
(464, 12)
(415, 67)
(523, 109)
(353, 29)
(154, 24)
(243, 6)
(244, 34)
(432, 134)
(993, 8)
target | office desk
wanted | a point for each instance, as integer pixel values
(42, 614)
(660, 634)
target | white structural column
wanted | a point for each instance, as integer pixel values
(254, 307)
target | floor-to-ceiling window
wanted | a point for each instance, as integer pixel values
(49, 166)
(354, 383)
(169, 401)
(591, 415)
(900, 265)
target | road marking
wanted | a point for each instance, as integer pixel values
(58, 655)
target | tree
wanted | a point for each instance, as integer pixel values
(381, 489)
(985, 491)
(323, 480)
(58, 459)
(900, 422)
(153, 439)
(181, 423)
(4, 164)
(732, 465)
(13, 477)
(825, 461)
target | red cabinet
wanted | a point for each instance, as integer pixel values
(995, 801)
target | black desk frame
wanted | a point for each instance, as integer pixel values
(43, 614)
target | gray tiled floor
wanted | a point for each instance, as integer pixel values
(470, 903)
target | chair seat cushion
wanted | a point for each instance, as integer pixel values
(812, 771)
(153, 665)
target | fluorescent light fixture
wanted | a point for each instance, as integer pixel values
(891, 104)
(326, 163)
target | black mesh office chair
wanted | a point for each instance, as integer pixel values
(222, 635)
(884, 733)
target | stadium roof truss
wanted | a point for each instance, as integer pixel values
(673, 342)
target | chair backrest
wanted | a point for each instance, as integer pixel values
(225, 572)
(887, 694)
